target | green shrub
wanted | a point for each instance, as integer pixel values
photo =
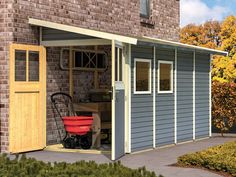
(29, 167)
(219, 158)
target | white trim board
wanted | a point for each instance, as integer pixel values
(78, 30)
(210, 96)
(175, 116)
(171, 76)
(154, 97)
(129, 56)
(194, 95)
(150, 76)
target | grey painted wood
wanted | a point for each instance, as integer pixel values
(202, 95)
(49, 34)
(119, 120)
(164, 104)
(141, 106)
(184, 96)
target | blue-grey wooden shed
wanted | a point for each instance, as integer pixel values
(161, 90)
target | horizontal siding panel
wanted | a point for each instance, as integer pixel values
(141, 124)
(141, 115)
(142, 134)
(145, 143)
(164, 114)
(168, 136)
(142, 109)
(142, 139)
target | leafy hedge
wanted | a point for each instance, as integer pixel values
(223, 105)
(29, 167)
(219, 158)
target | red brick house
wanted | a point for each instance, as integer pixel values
(41, 48)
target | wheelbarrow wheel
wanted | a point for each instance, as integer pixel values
(69, 143)
(85, 143)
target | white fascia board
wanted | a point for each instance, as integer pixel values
(178, 44)
(83, 31)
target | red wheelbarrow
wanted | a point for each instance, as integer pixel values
(78, 128)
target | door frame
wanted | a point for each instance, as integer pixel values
(126, 79)
(42, 70)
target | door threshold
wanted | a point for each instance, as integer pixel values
(60, 148)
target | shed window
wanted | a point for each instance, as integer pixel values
(144, 8)
(165, 77)
(142, 76)
(90, 60)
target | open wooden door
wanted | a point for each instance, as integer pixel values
(118, 103)
(27, 128)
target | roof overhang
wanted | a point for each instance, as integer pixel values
(104, 38)
(181, 45)
(83, 31)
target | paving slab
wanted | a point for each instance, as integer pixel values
(157, 160)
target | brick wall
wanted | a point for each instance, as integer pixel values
(6, 37)
(118, 16)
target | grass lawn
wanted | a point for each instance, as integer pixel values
(219, 158)
(30, 167)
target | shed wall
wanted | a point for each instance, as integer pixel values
(184, 96)
(165, 104)
(141, 106)
(202, 95)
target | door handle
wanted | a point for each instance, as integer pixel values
(111, 92)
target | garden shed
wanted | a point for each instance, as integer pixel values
(160, 90)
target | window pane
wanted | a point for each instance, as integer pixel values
(78, 59)
(165, 77)
(142, 76)
(101, 61)
(33, 66)
(20, 65)
(144, 7)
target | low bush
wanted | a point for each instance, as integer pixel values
(219, 158)
(29, 167)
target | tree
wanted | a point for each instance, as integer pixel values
(216, 35)
(205, 35)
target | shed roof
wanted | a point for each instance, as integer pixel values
(181, 45)
(78, 30)
(120, 38)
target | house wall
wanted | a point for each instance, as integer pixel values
(121, 17)
(142, 105)
(6, 37)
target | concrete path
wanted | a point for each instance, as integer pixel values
(157, 160)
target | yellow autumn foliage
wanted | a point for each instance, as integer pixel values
(216, 35)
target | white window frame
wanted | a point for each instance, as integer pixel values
(171, 77)
(150, 76)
